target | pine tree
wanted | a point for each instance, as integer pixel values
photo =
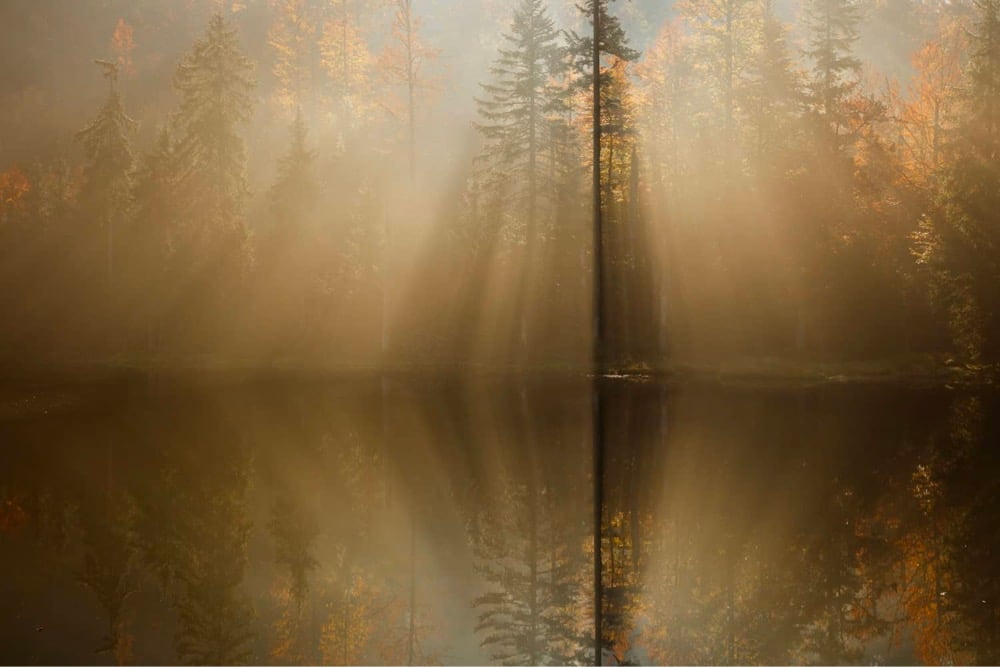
(772, 95)
(154, 221)
(191, 529)
(984, 80)
(513, 111)
(833, 30)
(295, 191)
(526, 555)
(612, 40)
(515, 155)
(215, 81)
(291, 246)
(105, 194)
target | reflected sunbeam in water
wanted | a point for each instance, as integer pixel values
(289, 521)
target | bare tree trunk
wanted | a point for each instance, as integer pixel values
(411, 634)
(598, 335)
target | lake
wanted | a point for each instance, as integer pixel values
(357, 519)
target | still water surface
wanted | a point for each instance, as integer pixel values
(441, 521)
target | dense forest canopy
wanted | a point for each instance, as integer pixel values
(407, 181)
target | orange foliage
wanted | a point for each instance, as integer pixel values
(14, 186)
(122, 45)
(12, 516)
(930, 109)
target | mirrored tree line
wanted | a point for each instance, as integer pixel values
(759, 539)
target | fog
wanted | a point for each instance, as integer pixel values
(774, 195)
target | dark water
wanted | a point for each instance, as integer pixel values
(281, 521)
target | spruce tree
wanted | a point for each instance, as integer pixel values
(514, 108)
(983, 128)
(105, 195)
(526, 555)
(155, 206)
(772, 95)
(612, 40)
(295, 191)
(291, 247)
(833, 30)
(515, 155)
(215, 81)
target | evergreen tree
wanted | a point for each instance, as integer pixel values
(983, 129)
(526, 555)
(105, 194)
(612, 39)
(215, 81)
(292, 247)
(192, 530)
(296, 190)
(108, 565)
(154, 220)
(513, 124)
(772, 94)
(833, 30)
(514, 109)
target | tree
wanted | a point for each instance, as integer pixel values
(772, 94)
(155, 210)
(723, 35)
(295, 192)
(215, 83)
(926, 118)
(526, 547)
(348, 64)
(105, 195)
(513, 124)
(122, 45)
(958, 242)
(192, 531)
(833, 30)
(14, 185)
(292, 37)
(294, 532)
(607, 39)
(108, 565)
(403, 63)
(983, 127)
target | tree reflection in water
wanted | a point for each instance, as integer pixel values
(280, 521)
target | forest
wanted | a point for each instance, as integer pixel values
(410, 183)
(499, 331)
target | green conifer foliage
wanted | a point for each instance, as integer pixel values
(105, 194)
(215, 81)
(833, 30)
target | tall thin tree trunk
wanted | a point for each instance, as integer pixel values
(598, 336)
(412, 632)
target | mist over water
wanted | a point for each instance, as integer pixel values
(499, 331)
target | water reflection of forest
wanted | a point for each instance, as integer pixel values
(356, 522)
